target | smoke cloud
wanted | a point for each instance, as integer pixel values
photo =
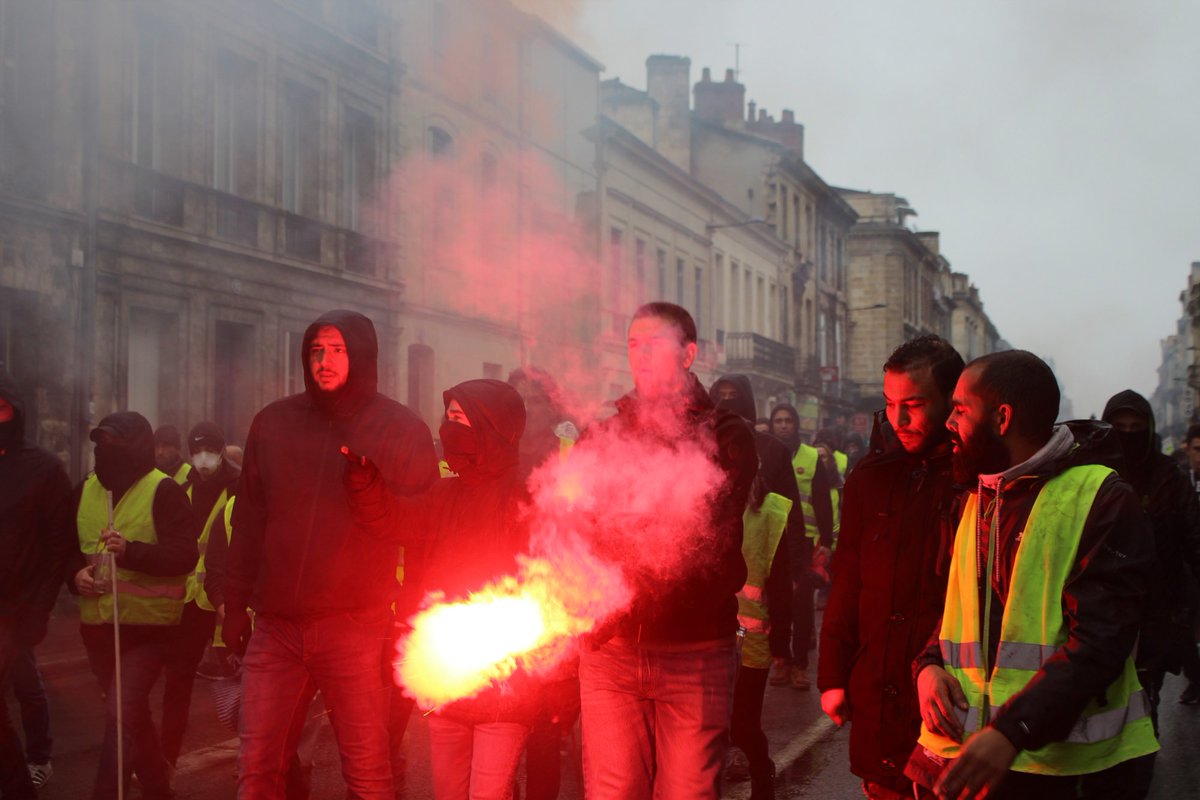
(617, 522)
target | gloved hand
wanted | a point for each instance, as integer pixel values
(235, 630)
(360, 472)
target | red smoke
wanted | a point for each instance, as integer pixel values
(612, 522)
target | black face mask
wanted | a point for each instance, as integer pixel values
(115, 467)
(1135, 445)
(459, 446)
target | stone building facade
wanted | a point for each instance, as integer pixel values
(185, 187)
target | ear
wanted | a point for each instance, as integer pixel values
(690, 355)
(1004, 417)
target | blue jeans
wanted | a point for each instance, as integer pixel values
(143, 653)
(346, 657)
(474, 762)
(655, 718)
(30, 692)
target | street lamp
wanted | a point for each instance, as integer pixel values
(752, 221)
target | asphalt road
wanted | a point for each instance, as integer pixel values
(809, 750)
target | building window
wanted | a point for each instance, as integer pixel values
(640, 270)
(235, 124)
(698, 312)
(158, 101)
(27, 84)
(363, 21)
(616, 258)
(299, 148)
(734, 323)
(822, 340)
(441, 143)
(661, 258)
(153, 374)
(358, 168)
(679, 268)
(235, 378)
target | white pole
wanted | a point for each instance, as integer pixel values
(116, 615)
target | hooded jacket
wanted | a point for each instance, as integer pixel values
(822, 499)
(774, 475)
(889, 584)
(701, 605)
(1165, 493)
(1102, 598)
(294, 552)
(37, 533)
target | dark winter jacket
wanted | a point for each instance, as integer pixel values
(701, 605)
(822, 496)
(466, 530)
(774, 475)
(889, 587)
(294, 552)
(175, 525)
(1166, 495)
(1102, 598)
(37, 532)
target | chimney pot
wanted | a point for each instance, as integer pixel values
(789, 116)
(751, 111)
(729, 76)
(706, 75)
(762, 115)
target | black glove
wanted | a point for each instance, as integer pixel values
(235, 630)
(360, 472)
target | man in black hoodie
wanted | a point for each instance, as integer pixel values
(1167, 497)
(321, 591)
(36, 537)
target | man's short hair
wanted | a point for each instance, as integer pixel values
(1193, 432)
(669, 312)
(1022, 380)
(934, 352)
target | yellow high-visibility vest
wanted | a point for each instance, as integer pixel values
(195, 581)
(804, 465)
(144, 599)
(762, 530)
(1031, 632)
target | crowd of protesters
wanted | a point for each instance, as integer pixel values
(985, 573)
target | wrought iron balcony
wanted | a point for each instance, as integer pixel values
(753, 352)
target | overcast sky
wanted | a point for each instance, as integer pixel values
(1053, 144)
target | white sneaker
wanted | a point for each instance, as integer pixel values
(40, 773)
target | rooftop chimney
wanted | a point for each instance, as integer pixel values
(720, 103)
(667, 81)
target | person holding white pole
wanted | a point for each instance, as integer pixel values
(151, 533)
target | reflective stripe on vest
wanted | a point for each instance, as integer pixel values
(195, 581)
(145, 599)
(1032, 631)
(804, 465)
(762, 530)
(181, 474)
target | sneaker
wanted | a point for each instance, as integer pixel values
(737, 766)
(800, 679)
(1191, 695)
(781, 673)
(40, 773)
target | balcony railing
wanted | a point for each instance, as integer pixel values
(753, 352)
(129, 189)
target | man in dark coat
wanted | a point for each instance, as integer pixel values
(1168, 499)
(663, 671)
(889, 571)
(36, 536)
(321, 591)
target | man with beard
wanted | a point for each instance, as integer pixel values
(321, 591)
(168, 454)
(816, 504)
(1029, 688)
(152, 533)
(656, 686)
(1168, 499)
(889, 571)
